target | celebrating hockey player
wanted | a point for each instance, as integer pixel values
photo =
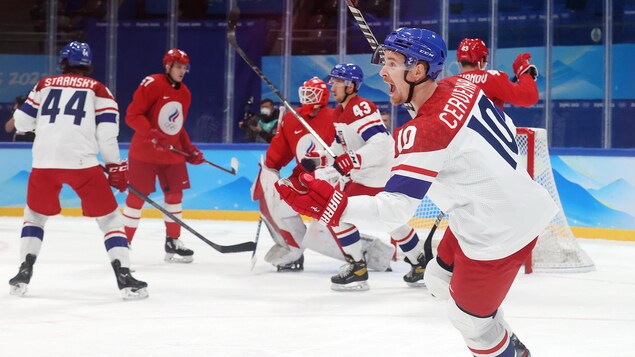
(473, 55)
(157, 113)
(293, 141)
(75, 117)
(364, 150)
(461, 152)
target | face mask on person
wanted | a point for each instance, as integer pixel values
(266, 111)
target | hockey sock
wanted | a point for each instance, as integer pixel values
(349, 239)
(408, 242)
(32, 233)
(115, 238)
(172, 229)
(132, 215)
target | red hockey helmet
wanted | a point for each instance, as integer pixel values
(314, 93)
(472, 50)
(176, 55)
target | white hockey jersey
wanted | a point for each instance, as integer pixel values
(359, 129)
(461, 151)
(74, 118)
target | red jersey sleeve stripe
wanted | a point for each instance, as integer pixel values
(417, 170)
(363, 127)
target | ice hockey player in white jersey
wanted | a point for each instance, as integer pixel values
(462, 153)
(75, 117)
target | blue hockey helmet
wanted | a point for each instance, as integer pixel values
(77, 54)
(349, 72)
(416, 45)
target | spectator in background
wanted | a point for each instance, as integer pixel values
(261, 127)
(387, 120)
(9, 126)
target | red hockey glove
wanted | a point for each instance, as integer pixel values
(158, 139)
(118, 175)
(195, 156)
(344, 163)
(314, 159)
(521, 66)
(318, 199)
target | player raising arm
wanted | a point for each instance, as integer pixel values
(461, 153)
(157, 114)
(473, 55)
(75, 117)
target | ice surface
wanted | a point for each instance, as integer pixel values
(217, 306)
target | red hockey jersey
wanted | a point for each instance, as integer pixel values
(293, 140)
(499, 89)
(156, 104)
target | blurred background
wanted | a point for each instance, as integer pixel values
(582, 49)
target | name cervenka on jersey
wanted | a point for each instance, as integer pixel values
(67, 81)
(462, 94)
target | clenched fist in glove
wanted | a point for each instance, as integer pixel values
(158, 139)
(521, 66)
(313, 160)
(195, 157)
(118, 175)
(346, 162)
(316, 198)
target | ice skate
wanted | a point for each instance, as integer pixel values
(21, 280)
(131, 288)
(297, 265)
(176, 252)
(352, 276)
(521, 350)
(414, 278)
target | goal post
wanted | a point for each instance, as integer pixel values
(557, 249)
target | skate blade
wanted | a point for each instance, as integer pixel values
(18, 290)
(140, 294)
(418, 284)
(354, 286)
(175, 258)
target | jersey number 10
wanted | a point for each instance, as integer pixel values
(74, 107)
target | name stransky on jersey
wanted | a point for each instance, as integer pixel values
(456, 106)
(69, 81)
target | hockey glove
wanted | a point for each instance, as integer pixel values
(158, 139)
(195, 157)
(521, 66)
(118, 175)
(314, 159)
(316, 199)
(346, 162)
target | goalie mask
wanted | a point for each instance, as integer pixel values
(472, 50)
(313, 93)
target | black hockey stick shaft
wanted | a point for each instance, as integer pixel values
(181, 152)
(372, 41)
(236, 248)
(231, 37)
(427, 244)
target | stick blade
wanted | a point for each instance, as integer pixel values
(234, 165)
(238, 248)
(232, 19)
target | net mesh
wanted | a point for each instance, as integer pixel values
(557, 248)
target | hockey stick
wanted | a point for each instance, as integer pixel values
(253, 254)
(236, 248)
(372, 41)
(231, 37)
(234, 161)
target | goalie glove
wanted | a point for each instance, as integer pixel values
(313, 160)
(521, 66)
(316, 198)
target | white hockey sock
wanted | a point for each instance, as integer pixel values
(349, 239)
(31, 240)
(408, 242)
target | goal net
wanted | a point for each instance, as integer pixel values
(557, 249)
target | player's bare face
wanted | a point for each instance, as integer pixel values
(393, 74)
(338, 88)
(177, 71)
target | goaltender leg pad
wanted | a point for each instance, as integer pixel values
(376, 253)
(484, 336)
(319, 238)
(437, 279)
